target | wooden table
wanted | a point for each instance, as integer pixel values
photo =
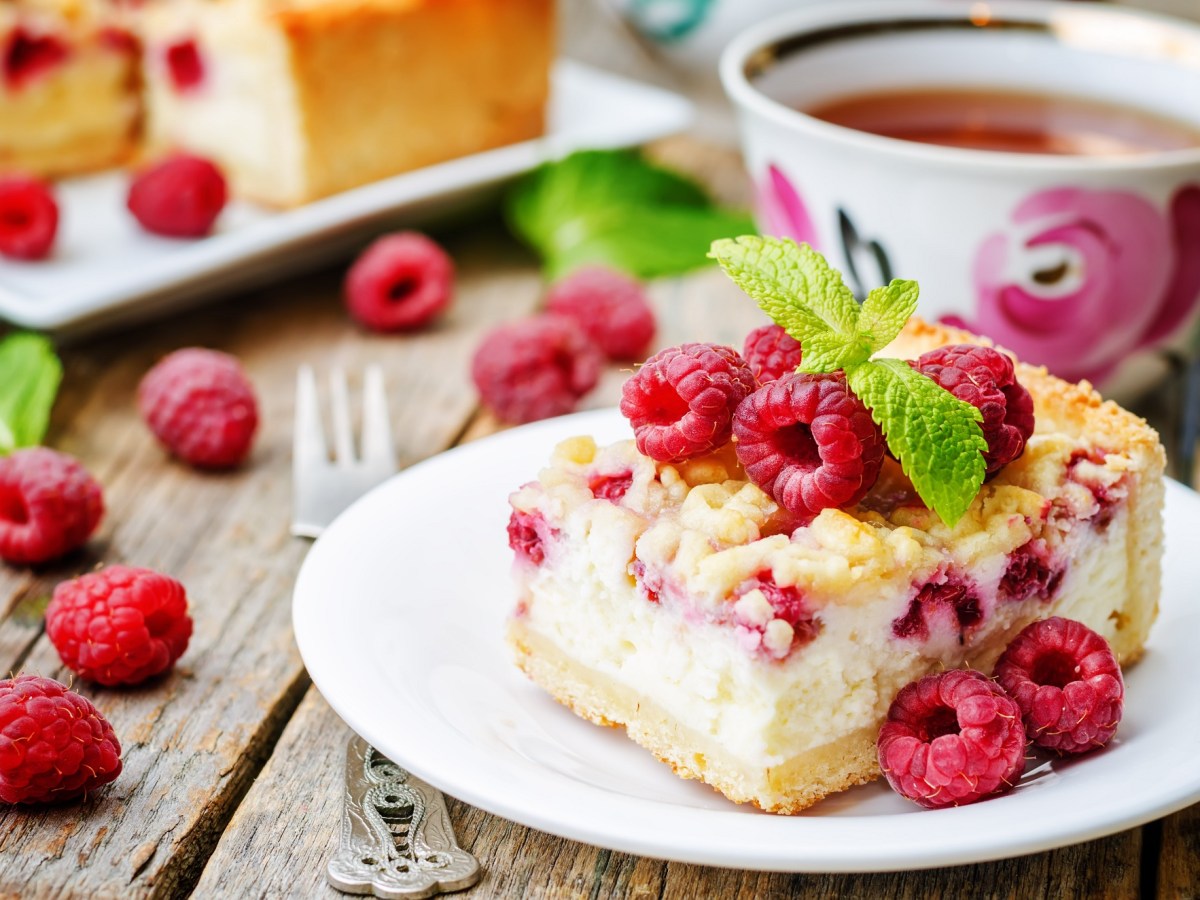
(233, 763)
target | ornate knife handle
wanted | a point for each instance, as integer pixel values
(397, 841)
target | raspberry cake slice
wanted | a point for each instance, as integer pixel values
(680, 601)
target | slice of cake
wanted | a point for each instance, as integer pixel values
(760, 655)
(69, 88)
(298, 99)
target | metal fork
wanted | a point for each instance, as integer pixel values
(323, 488)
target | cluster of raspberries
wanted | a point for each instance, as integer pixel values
(179, 197)
(543, 365)
(804, 439)
(959, 736)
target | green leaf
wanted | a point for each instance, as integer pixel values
(828, 352)
(885, 311)
(614, 208)
(935, 436)
(793, 284)
(29, 377)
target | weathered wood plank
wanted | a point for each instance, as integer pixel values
(193, 742)
(1179, 859)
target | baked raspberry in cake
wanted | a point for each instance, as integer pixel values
(69, 87)
(298, 99)
(759, 652)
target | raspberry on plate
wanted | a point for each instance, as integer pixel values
(1067, 682)
(985, 378)
(180, 196)
(49, 505)
(952, 738)
(808, 442)
(535, 368)
(28, 218)
(681, 401)
(201, 406)
(400, 282)
(54, 744)
(609, 306)
(119, 625)
(771, 352)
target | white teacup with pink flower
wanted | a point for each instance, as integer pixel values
(1078, 256)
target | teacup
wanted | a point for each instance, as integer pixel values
(1077, 262)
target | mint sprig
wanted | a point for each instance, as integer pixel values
(29, 377)
(935, 436)
(614, 208)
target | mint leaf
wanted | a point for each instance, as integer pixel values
(614, 208)
(935, 435)
(793, 284)
(885, 311)
(29, 377)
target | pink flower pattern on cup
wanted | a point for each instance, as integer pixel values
(1081, 278)
(782, 211)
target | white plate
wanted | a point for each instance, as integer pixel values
(106, 269)
(399, 612)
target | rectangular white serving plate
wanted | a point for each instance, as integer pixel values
(106, 271)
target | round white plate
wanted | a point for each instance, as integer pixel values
(399, 612)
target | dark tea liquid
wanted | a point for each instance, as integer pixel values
(1009, 121)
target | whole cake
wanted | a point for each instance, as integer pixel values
(298, 99)
(758, 650)
(69, 86)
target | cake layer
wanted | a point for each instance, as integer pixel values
(762, 652)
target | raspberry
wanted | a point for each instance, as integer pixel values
(951, 739)
(1067, 683)
(178, 197)
(771, 353)
(528, 534)
(201, 406)
(54, 745)
(985, 378)
(808, 442)
(184, 65)
(28, 218)
(535, 368)
(399, 282)
(27, 56)
(610, 307)
(612, 487)
(948, 599)
(49, 505)
(681, 401)
(1030, 573)
(119, 625)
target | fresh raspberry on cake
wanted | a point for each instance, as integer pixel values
(178, 197)
(54, 744)
(1067, 682)
(609, 306)
(201, 407)
(681, 401)
(28, 218)
(120, 625)
(771, 352)
(985, 378)
(951, 739)
(535, 368)
(808, 442)
(49, 505)
(400, 282)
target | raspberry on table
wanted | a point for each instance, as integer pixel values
(985, 378)
(28, 218)
(950, 739)
(681, 401)
(771, 352)
(49, 505)
(808, 442)
(181, 196)
(1067, 683)
(535, 368)
(399, 282)
(119, 625)
(54, 744)
(610, 307)
(201, 406)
